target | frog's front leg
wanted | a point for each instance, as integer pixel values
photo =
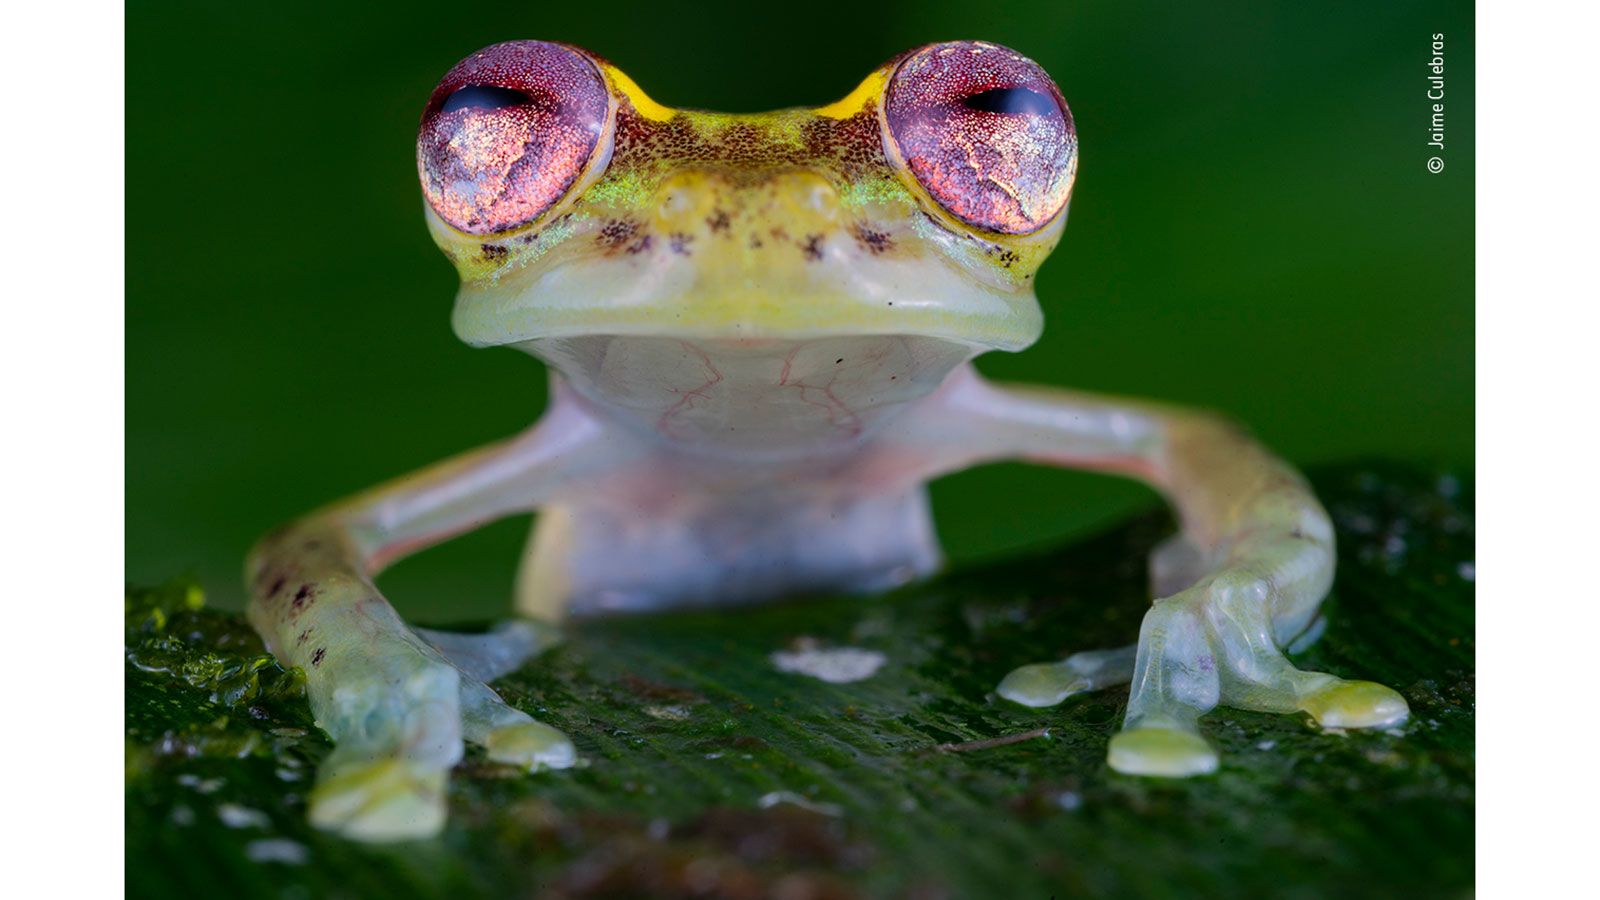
(1253, 562)
(398, 704)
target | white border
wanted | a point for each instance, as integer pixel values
(1537, 436)
(61, 373)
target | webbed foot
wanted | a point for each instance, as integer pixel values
(1215, 642)
(399, 713)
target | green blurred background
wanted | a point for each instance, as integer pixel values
(1253, 229)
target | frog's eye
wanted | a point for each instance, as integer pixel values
(507, 132)
(984, 130)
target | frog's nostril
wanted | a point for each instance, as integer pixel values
(675, 203)
(822, 198)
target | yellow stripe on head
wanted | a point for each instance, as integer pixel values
(857, 100)
(641, 101)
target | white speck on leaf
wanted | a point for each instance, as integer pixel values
(203, 785)
(774, 798)
(277, 850)
(835, 665)
(236, 816)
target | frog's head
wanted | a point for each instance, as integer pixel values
(572, 204)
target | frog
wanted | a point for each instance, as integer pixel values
(760, 330)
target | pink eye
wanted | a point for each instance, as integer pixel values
(986, 132)
(507, 132)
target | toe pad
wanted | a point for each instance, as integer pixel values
(533, 745)
(1163, 752)
(384, 800)
(1041, 684)
(1356, 704)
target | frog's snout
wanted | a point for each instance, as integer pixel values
(747, 209)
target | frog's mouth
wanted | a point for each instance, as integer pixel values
(843, 292)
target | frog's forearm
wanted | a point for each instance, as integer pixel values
(336, 551)
(1226, 489)
(384, 524)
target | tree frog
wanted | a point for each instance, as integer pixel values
(761, 330)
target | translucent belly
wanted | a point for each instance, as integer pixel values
(617, 556)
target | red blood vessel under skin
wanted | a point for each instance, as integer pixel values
(761, 329)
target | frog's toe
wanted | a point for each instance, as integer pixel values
(531, 745)
(386, 799)
(1356, 704)
(1162, 752)
(1040, 684)
(509, 735)
(1046, 684)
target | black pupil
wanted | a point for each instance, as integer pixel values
(483, 96)
(1011, 102)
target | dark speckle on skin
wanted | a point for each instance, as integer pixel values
(494, 252)
(641, 245)
(302, 638)
(617, 232)
(304, 596)
(812, 247)
(316, 658)
(277, 585)
(875, 241)
(718, 221)
(679, 242)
